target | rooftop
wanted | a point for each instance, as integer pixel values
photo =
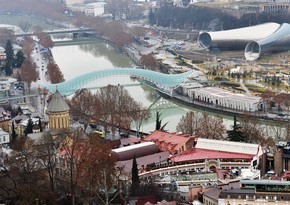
(227, 94)
(166, 137)
(202, 154)
(266, 182)
(57, 103)
(227, 146)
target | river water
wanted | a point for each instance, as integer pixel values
(75, 60)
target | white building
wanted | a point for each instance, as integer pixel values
(2, 53)
(95, 9)
(227, 99)
(4, 137)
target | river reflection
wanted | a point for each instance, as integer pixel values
(75, 60)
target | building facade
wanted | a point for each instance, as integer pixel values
(95, 9)
(223, 98)
(4, 138)
(58, 112)
(171, 142)
(270, 192)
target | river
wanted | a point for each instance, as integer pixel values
(75, 60)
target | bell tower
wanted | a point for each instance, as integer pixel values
(58, 112)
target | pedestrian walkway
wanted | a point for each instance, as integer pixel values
(248, 93)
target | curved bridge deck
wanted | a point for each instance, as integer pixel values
(165, 82)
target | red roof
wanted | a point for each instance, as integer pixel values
(177, 140)
(202, 154)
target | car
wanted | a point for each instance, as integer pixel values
(43, 58)
(281, 114)
(124, 135)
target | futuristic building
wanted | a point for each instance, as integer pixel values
(277, 41)
(256, 40)
(236, 38)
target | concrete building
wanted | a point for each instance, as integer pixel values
(95, 9)
(255, 192)
(4, 138)
(2, 53)
(275, 8)
(211, 155)
(220, 97)
(282, 157)
(6, 86)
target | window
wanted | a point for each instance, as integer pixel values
(271, 198)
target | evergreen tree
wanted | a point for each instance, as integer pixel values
(19, 59)
(135, 178)
(236, 134)
(29, 127)
(40, 125)
(19, 111)
(13, 134)
(9, 58)
(151, 17)
(159, 125)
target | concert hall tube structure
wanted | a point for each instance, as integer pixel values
(236, 38)
(278, 41)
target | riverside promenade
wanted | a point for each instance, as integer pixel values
(266, 116)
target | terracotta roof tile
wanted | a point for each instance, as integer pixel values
(201, 154)
(173, 139)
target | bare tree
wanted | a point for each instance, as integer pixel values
(189, 123)
(111, 106)
(54, 73)
(6, 34)
(28, 175)
(28, 72)
(98, 171)
(140, 115)
(44, 39)
(118, 8)
(211, 127)
(120, 38)
(25, 25)
(46, 154)
(72, 147)
(148, 61)
(138, 31)
(28, 45)
(267, 98)
(115, 106)
(282, 99)
(251, 128)
(278, 130)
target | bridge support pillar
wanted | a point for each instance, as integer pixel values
(75, 35)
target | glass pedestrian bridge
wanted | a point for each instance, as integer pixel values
(164, 82)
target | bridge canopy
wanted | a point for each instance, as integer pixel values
(160, 80)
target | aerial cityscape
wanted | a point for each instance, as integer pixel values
(143, 102)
